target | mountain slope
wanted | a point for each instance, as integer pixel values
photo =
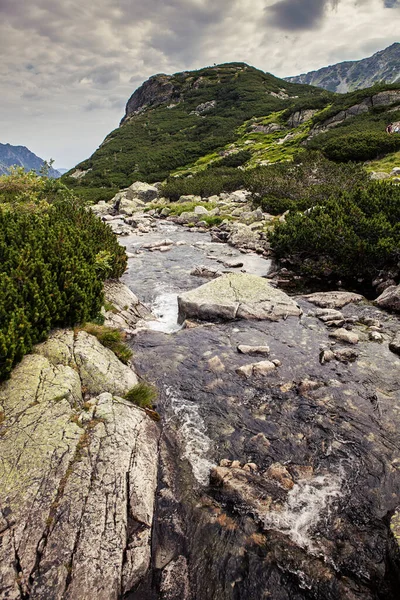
(172, 121)
(20, 156)
(353, 75)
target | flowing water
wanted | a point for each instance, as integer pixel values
(323, 537)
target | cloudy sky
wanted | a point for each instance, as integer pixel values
(68, 67)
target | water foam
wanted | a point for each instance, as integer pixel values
(191, 434)
(307, 503)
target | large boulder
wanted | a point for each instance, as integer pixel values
(333, 299)
(241, 236)
(77, 479)
(142, 191)
(236, 296)
(390, 299)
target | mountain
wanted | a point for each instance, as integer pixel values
(233, 115)
(22, 157)
(384, 66)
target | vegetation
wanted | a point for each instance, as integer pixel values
(351, 235)
(110, 338)
(54, 256)
(143, 395)
(152, 144)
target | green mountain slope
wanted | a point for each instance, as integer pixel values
(172, 121)
(353, 75)
(234, 116)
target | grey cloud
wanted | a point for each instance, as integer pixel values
(298, 15)
(391, 3)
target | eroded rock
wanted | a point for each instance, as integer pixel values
(333, 299)
(126, 309)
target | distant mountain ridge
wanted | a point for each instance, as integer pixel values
(20, 156)
(354, 75)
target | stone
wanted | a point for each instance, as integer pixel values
(128, 207)
(395, 171)
(189, 198)
(200, 210)
(165, 212)
(308, 385)
(242, 236)
(343, 335)
(327, 315)
(126, 309)
(75, 478)
(207, 272)
(346, 355)
(101, 209)
(236, 296)
(280, 474)
(375, 336)
(253, 350)
(390, 299)
(333, 299)
(232, 264)
(142, 191)
(379, 175)
(326, 356)
(394, 345)
(264, 367)
(239, 196)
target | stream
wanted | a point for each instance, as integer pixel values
(308, 517)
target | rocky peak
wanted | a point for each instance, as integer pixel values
(153, 92)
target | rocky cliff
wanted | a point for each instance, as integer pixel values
(353, 75)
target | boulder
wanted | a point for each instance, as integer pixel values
(237, 296)
(253, 350)
(390, 298)
(333, 299)
(200, 210)
(101, 209)
(77, 481)
(142, 191)
(129, 207)
(126, 309)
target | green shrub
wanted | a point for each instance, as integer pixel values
(351, 236)
(110, 338)
(50, 255)
(142, 395)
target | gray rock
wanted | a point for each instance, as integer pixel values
(390, 299)
(142, 191)
(200, 210)
(129, 207)
(237, 296)
(241, 236)
(126, 310)
(189, 198)
(253, 350)
(74, 478)
(346, 355)
(343, 335)
(379, 175)
(204, 271)
(265, 367)
(101, 209)
(333, 299)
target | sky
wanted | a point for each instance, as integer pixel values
(68, 67)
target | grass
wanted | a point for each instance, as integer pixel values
(143, 395)
(385, 164)
(110, 338)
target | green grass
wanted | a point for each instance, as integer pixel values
(143, 395)
(110, 338)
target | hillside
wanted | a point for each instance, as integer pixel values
(20, 156)
(353, 75)
(172, 121)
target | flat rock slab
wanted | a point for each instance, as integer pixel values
(237, 296)
(333, 299)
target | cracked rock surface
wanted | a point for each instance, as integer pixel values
(78, 475)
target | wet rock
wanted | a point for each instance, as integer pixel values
(77, 480)
(346, 355)
(329, 315)
(375, 336)
(253, 350)
(343, 335)
(232, 264)
(333, 299)
(280, 474)
(175, 580)
(237, 296)
(390, 299)
(207, 272)
(395, 528)
(264, 367)
(126, 309)
(394, 345)
(225, 462)
(326, 356)
(308, 385)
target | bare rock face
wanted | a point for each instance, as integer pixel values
(77, 477)
(390, 299)
(126, 309)
(237, 296)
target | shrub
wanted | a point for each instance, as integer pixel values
(49, 264)
(142, 395)
(352, 235)
(110, 338)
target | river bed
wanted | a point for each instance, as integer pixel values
(325, 536)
